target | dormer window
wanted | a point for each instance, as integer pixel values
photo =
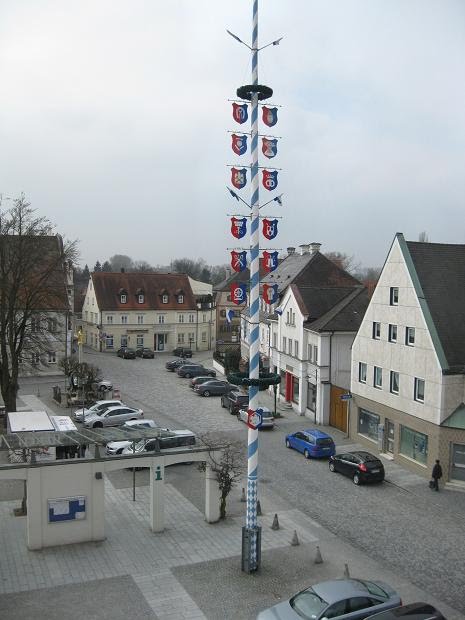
(180, 299)
(123, 298)
(164, 298)
(140, 299)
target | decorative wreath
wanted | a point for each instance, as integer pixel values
(246, 92)
(265, 379)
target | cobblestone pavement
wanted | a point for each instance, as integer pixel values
(398, 532)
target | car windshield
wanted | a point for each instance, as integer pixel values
(373, 588)
(267, 414)
(308, 604)
(243, 399)
(324, 441)
(369, 458)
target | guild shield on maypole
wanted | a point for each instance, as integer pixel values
(250, 97)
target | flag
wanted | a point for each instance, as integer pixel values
(229, 315)
(239, 144)
(270, 293)
(240, 114)
(238, 227)
(239, 177)
(269, 147)
(279, 311)
(269, 180)
(270, 228)
(239, 260)
(234, 195)
(278, 199)
(270, 261)
(238, 293)
(269, 116)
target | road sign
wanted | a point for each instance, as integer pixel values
(346, 396)
(254, 418)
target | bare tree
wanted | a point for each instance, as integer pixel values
(344, 261)
(33, 262)
(227, 460)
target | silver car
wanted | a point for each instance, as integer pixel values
(267, 417)
(95, 407)
(114, 416)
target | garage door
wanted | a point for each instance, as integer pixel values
(338, 409)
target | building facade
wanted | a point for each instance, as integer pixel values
(408, 360)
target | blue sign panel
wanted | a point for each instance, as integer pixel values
(66, 509)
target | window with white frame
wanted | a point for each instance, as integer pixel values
(419, 390)
(378, 377)
(310, 352)
(275, 340)
(123, 298)
(180, 318)
(289, 345)
(410, 336)
(376, 330)
(284, 344)
(362, 372)
(140, 319)
(180, 299)
(394, 296)
(315, 354)
(191, 318)
(161, 318)
(181, 338)
(164, 299)
(52, 357)
(204, 336)
(191, 336)
(140, 299)
(110, 343)
(296, 348)
(124, 319)
(394, 382)
(392, 333)
(139, 340)
(109, 319)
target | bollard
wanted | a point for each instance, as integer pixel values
(318, 558)
(259, 508)
(275, 525)
(243, 497)
(295, 541)
(346, 571)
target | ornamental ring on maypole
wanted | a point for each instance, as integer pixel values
(265, 379)
(246, 92)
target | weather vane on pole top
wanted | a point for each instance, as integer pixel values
(253, 93)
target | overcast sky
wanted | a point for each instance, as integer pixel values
(114, 119)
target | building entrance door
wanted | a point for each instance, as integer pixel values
(389, 436)
(160, 342)
(458, 462)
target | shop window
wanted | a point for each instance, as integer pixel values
(368, 423)
(110, 344)
(414, 445)
(139, 340)
(282, 385)
(295, 390)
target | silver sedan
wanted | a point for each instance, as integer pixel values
(114, 416)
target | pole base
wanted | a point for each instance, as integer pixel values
(251, 549)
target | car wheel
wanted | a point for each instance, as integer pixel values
(120, 451)
(306, 454)
(288, 443)
(206, 393)
(98, 425)
(331, 467)
(187, 375)
(356, 479)
(231, 411)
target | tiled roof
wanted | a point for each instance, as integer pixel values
(440, 269)
(109, 286)
(345, 316)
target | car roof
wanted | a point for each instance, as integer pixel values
(143, 422)
(317, 433)
(121, 407)
(413, 611)
(339, 589)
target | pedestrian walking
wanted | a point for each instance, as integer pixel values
(436, 475)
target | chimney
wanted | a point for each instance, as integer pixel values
(122, 269)
(315, 247)
(304, 248)
(290, 251)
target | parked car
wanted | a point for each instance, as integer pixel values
(117, 447)
(214, 387)
(173, 365)
(312, 443)
(126, 353)
(235, 401)
(192, 370)
(361, 466)
(95, 407)
(198, 381)
(182, 352)
(145, 353)
(175, 439)
(342, 598)
(267, 417)
(105, 385)
(414, 611)
(114, 416)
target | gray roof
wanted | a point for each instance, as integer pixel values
(440, 285)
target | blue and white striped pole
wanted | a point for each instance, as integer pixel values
(252, 438)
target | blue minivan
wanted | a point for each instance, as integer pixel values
(312, 443)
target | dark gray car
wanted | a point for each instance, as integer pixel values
(345, 599)
(214, 387)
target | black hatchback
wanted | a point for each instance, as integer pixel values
(361, 466)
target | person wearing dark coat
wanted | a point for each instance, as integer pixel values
(436, 474)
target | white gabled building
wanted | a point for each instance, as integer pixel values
(408, 359)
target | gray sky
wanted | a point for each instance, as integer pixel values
(114, 119)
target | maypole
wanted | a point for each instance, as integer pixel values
(254, 92)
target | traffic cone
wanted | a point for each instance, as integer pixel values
(259, 508)
(295, 541)
(346, 571)
(243, 498)
(318, 558)
(275, 525)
